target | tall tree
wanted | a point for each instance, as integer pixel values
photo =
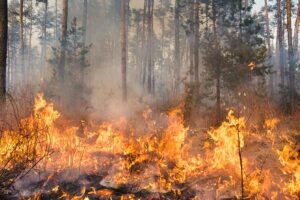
(268, 42)
(191, 38)
(280, 42)
(3, 48)
(64, 37)
(124, 49)
(196, 47)
(177, 45)
(290, 54)
(296, 32)
(23, 75)
(22, 26)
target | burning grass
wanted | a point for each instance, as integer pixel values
(155, 157)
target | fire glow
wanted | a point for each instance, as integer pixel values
(121, 160)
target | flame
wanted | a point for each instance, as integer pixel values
(160, 157)
(226, 141)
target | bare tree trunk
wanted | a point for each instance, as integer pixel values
(280, 42)
(290, 54)
(44, 46)
(218, 72)
(196, 47)
(3, 48)
(192, 39)
(124, 49)
(177, 46)
(149, 49)
(64, 37)
(269, 44)
(23, 77)
(296, 32)
(30, 41)
(152, 50)
(144, 66)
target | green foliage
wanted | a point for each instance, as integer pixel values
(239, 53)
(73, 84)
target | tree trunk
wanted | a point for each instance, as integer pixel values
(218, 70)
(23, 76)
(149, 49)
(196, 47)
(269, 44)
(177, 47)
(296, 32)
(191, 38)
(64, 37)
(144, 66)
(124, 49)
(280, 43)
(30, 41)
(21, 26)
(3, 48)
(290, 54)
(44, 45)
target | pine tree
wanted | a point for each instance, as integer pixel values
(3, 48)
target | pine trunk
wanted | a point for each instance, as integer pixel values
(269, 44)
(124, 49)
(218, 72)
(177, 47)
(3, 48)
(191, 38)
(64, 37)
(290, 54)
(296, 32)
(196, 47)
(280, 42)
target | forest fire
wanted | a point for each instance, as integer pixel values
(149, 100)
(163, 158)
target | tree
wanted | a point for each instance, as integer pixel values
(196, 47)
(280, 42)
(75, 90)
(3, 48)
(177, 45)
(290, 55)
(124, 49)
(296, 32)
(63, 39)
(269, 42)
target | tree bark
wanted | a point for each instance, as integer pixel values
(269, 44)
(296, 32)
(124, 49)
(218, 70)
(144, 66)
(64, 37)
(22, 26)
(23, 75)
(177, 46)
(191, 39)
(3, 48)
(196, 47)
(280, 43)
(290, 54)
